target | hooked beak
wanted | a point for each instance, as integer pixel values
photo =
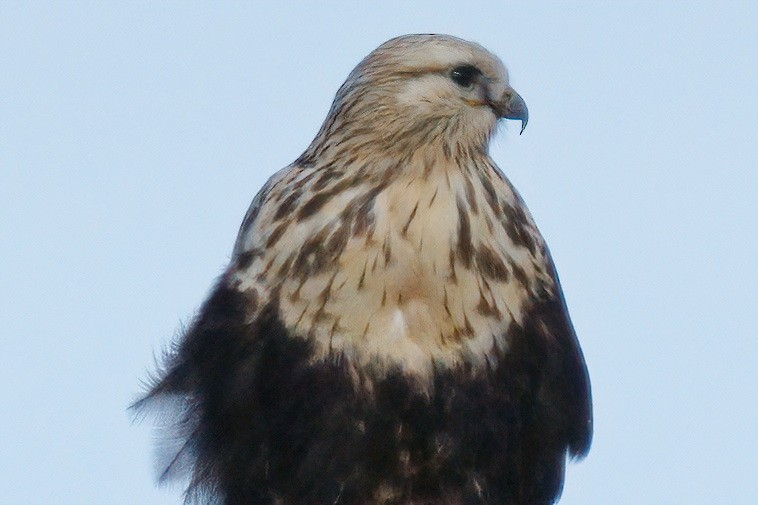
(512, 106)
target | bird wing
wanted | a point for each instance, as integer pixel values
(567, 386)
(255, 207)
(544, 368)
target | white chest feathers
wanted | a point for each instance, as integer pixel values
(421, 273)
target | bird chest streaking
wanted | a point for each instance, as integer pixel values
(390, 328)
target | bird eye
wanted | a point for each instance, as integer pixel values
(464, 75)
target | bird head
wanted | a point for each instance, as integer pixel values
(419, 89)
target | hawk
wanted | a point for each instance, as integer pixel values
(390, 328)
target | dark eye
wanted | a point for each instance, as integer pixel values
(464, 75)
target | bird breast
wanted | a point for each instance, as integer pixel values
(418, 272)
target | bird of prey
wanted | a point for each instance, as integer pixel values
(390, 328)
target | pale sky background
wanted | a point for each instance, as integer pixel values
(133, 137)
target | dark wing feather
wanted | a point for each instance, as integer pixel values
(568, 386)
(192, 362)
(547, 365)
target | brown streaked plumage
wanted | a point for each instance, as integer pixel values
(391, 328)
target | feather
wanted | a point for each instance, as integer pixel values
(391, 327)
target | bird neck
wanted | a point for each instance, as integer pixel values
(381, 135)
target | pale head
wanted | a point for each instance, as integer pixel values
(418, 89)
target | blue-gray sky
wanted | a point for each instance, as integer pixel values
(133, 137)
